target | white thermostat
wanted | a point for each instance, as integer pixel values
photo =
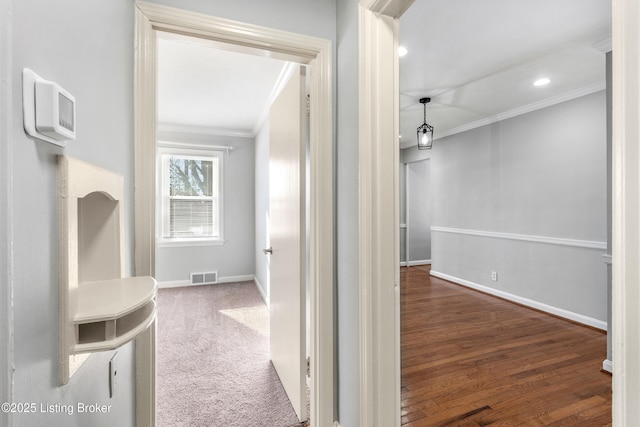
(49, 111)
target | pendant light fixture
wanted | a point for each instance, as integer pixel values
(425, 132)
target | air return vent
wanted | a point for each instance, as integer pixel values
(204, 278)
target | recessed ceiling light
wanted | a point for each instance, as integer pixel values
(542, 82)
(402, 51)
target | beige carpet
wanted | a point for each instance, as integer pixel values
(213, 359)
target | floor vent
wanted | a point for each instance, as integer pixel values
(204, 278)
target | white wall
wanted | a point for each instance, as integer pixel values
(236, 256)
(262, 207)
(539, 174)
(87, 47)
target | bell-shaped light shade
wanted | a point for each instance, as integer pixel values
(425, 137)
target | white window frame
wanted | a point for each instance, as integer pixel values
(162, 198)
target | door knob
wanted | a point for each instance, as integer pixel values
(268, 251)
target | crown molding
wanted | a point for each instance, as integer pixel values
(548, 102)
(604, 46)
(285, 74)
(203, 130)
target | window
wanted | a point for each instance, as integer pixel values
(191, 196)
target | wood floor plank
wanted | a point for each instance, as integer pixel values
(471, 359)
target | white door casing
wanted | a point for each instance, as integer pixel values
(247, 38)
(626, 212)
(287, 282)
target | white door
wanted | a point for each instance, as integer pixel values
(287, 153)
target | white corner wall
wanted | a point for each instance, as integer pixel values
(262, 209)
(526, 198)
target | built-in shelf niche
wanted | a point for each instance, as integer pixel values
(99, 309)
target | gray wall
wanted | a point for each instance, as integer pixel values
(87, 47)
(539, 174)
(262, 206)
(418, 189)
(347, 213)
(236, 256)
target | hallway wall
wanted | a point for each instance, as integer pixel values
(88, 48)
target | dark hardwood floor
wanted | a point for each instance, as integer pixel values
(470, 359)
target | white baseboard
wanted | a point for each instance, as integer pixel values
(419, 262)
(414, 263)
(261, 290)
(231, 279)
(607, 365)
(336, 424)
(579, 318)
(183, 283)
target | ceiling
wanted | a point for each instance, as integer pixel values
(203, 88)
(476, 60)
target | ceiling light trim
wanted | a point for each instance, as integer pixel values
(543, 81)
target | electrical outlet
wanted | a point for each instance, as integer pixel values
(113, 375)
(494, 276)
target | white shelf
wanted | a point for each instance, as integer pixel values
(111, 299)
(110, 313)
(98, 309)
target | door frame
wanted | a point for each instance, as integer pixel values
(379, 360)
(314, 52)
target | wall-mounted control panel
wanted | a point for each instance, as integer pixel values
(49, 111)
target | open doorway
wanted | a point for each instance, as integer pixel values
(217, 128)
(512, 151)
(306, 50)
(415, 212)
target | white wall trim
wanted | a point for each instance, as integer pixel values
(204, 130)
(576, 317)
(379, 225)
(185, 283)
(283, 78)
(312, 51)
(548, 102)
(418, 262)
(604, 45)
(524, 237)
(6, 213)
(607, 365)
(626, 212)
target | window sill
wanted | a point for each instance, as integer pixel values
(177, 243)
